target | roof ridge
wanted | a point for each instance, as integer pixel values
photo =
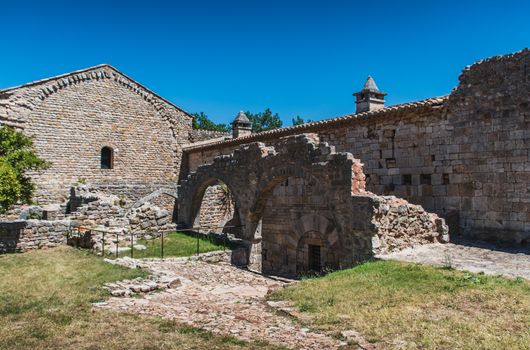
(249, 138)
(93, 68)
(60, 76)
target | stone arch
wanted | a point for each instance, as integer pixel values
(308, 230)
(333, 211)
(194, 190)
(253, 171)
(197, 214)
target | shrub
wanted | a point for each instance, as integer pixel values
(17, 157)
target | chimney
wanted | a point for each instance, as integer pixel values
(241, 126)
(370, 98)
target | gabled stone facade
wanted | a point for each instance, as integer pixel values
(72, 117)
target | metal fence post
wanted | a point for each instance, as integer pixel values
(197, 234)
(132, 246)
(226, 237)
(162, 247)
(117, 241)
(103, 244)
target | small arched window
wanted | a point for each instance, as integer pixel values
(107, 158)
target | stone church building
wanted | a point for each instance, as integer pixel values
(100, 127)
(464, 156)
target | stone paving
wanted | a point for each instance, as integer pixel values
(223, 299)
(481, 257)
(216, 296)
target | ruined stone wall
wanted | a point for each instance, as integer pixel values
(400, 224)
(294, 209)
(297, 214)
(149, 221)
(73, 117)
(465, 157)
(490, 147)
(129, 194)
(101, 213)
(303, 207)
(21, 236)
(92, 208)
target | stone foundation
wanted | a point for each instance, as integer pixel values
(21, 236)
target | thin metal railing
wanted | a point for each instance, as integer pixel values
(196, 230)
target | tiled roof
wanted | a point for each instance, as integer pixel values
(314, 126)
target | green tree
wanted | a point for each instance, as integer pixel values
(202, 122)
(264, 121)
(17, 157)
(299, 120)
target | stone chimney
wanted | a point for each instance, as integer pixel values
(241, 126)
(370, 98)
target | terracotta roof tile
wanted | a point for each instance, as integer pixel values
(309, 127)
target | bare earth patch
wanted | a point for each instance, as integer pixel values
(222, 299)
(514, 263)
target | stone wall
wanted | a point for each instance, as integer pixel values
(465, 156)
(298, 214)
(101, 213)
(149, 221)
(127, 195)
(21, 236)
(72, 117)
(299, 196)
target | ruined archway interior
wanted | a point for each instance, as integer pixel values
(302, 206)
(217, 212)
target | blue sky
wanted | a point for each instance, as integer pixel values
(296, 57)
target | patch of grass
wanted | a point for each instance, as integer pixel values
(175, 244)
(45, 301)
(409, 306)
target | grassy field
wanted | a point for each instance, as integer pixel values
(408, 306)
(45, 301)
(175, 244)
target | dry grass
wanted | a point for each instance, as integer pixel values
(408, 306)
(45, 304)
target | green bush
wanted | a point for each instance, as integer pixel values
(17, 157)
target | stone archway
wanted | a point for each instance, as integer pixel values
(253, 171)
(329, 202)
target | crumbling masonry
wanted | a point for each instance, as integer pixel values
(321, 219)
